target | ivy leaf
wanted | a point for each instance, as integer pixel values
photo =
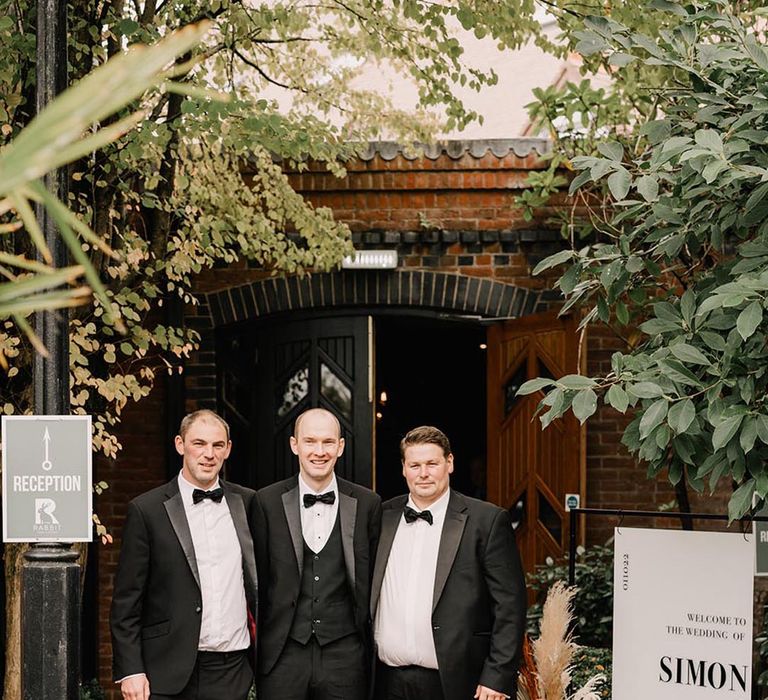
(584, 404)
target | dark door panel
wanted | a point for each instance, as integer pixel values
(294, 366)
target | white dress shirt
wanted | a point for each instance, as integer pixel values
(318, 520)
(224, 624)
(403, 628)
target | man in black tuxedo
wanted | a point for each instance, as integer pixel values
(316, 538)
(186, 583)
(448, 591)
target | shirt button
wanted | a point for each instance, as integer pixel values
(316, 557)
(198, 609)
(317, 578)
(316, 600)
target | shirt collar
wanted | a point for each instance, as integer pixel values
(304, 487)
(437, 508)
(186, 488)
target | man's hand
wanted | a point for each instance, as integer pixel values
(483, 693)
(135, 688)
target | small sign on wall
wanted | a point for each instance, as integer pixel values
(682, 616)
(47, 490)
(572, 500)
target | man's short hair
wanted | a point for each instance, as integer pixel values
(202, 414)
(425, 435)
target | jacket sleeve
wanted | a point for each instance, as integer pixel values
(128, 596)
(505, 581)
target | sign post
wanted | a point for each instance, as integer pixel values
(47, 500)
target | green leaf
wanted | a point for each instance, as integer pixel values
(681, 415)
(576, 381)
(619, 183)
(761, 424)
(652, 417)
(584, 404)
(688, 353)
(756, 52)
(748, 434)
(533, 385)
(709, 139)
(741, 501)
(725, 431)
(558, 258)
(749, 319)
(645, 390)
(648, 188)
(612, 150)
(617, 398)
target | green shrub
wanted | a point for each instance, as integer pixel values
(91, 691)
(588, 662)
(593, 602)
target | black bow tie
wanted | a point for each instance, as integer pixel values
(310, 499)
(215, 495)
(412, 515)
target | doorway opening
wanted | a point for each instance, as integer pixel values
(430, 371)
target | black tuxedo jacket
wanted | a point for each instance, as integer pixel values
(479, 600)
(156, 603)
(280, 558)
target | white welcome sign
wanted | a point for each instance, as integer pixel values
(682, 615)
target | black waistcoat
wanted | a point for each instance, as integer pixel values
(325, 607)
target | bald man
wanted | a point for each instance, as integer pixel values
(316, 537)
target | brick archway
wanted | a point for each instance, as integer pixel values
(418, 289)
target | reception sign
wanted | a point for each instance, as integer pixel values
(682, 616)
(47, 479)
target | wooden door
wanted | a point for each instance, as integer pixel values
(530, 470)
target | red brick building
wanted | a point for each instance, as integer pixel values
(446, 338)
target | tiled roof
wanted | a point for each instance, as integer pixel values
(455, 149)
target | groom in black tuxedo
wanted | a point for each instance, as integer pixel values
(316, 538)
(448, 591)
(186, 591)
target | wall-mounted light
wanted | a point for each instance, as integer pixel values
(370, 260)
(483, 346)
(383, 398)
(379, 415)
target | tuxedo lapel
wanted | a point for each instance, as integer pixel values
(175, 509)
(293, 516)
(240, 521)
(453, 528)
(390, 519)
(348, 517)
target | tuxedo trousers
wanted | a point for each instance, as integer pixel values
(335, 671)
(217, 675)
(407, 683)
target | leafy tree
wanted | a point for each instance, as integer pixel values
(681, 250)
(273, 83)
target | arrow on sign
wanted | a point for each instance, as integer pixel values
(47, 462)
